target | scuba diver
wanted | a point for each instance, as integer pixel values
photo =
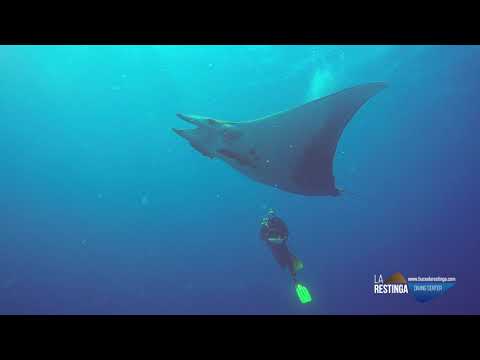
(274, 232)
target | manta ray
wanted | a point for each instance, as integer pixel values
(291, 150)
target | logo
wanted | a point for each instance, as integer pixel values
(395, 284)
(423, 288)
(426, 288)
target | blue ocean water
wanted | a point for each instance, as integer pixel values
(105, 210)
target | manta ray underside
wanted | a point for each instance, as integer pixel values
(291, 150)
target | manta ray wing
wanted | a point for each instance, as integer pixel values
(295, 149)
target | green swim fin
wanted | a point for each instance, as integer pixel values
(303, 293)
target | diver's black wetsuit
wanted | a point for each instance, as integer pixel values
(274, 227)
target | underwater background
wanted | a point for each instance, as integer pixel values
(105, 210)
